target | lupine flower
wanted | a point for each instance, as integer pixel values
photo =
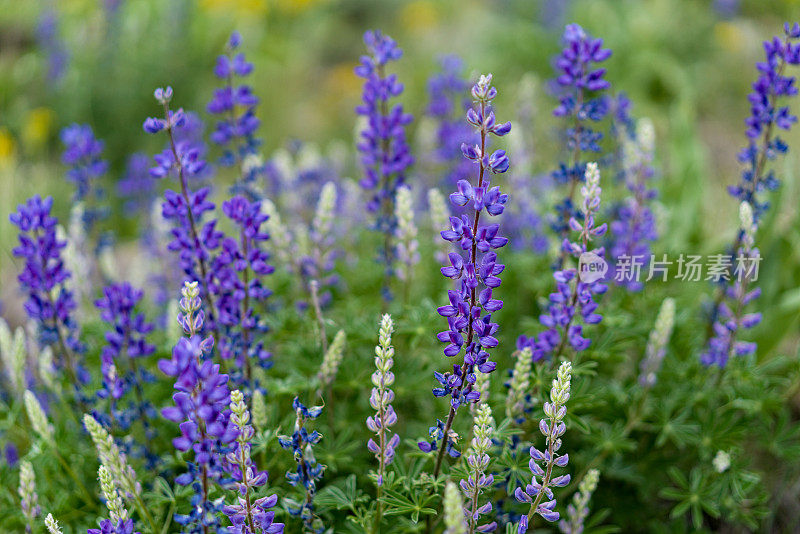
(47, 33)
(49, 301)
(52, 525)
(731, 319)
(634, 226)
(82, 153)
(308, 471)
(126, 342)
(235, 106)
(469, 314)
(200, 409)
(657, 344)
(439, 218)
(116, 509)
(520, 381)
(75, 252)
(27, 494)
(578, 510)
(453, 510)
(13, 354)
(192, 238)
(279, 235)
(37, 417)
(113, 459)
(406, 233)
(582, 102)
(482, 387)
(248, 516)
(238, 271)
(259, 410)
(331, 360)
(318, 260)
(446, 105)
(542, 463)
(478, 479)
(381, 399)
(385, 154)
(767, 116)
(573, 298)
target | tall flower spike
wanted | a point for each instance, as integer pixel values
(385, 155)
(331, 360)
(52, 525)
(575, 287)
(635, 225)
(29, 500)
(478, 478)
(582, 102)
(239, 269)
(380, 400)
(200, 410)
(50, 303)
(193, 239)
(13, 354)
(235, 106)
(406, 233)
(542, 463)
(476, 271)
(319, 260)
(578, 510)
(453, 511)
(520, 381)
(37, 417)
(249, 516)
(769, 114)
(657, 344)
(308, 471)
(113, 459)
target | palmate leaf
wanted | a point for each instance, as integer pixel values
(345, 496)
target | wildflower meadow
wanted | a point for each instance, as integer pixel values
(333, 266)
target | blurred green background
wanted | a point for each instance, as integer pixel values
(687, 64)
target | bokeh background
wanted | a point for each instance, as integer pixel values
(687, 64)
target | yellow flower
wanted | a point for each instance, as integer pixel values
(37, 127)
(7, 147)
(729, 36)
(419, 14)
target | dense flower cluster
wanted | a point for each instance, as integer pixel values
(479, 478)
(385, 155)
(578, 509)
(50, 302)
(767, 115)
(308, 471)
(542, 463)
(249, 516)
(27, 494)
(200, 409)
(380, 399)
(657, 344)
(126, 341)
(582, 102)
(192, 238)
(235, 105)
(82, 153)
(575, 289)
(634, 225)
(237, 284)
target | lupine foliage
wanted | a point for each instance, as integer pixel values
(559, 400)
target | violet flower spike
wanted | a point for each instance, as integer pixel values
(475, 272)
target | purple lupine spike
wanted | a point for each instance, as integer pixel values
(768, 115)
(385, 154)
(126, 341)
(469, 314)
(575, 289)
(582, 102)
(238, 271)
(50, 302)
(192, 238)
(200, 409)
(235, 105)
